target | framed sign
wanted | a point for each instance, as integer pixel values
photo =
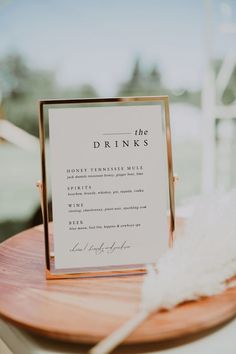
(107, 169)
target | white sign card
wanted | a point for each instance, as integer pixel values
(109, 184)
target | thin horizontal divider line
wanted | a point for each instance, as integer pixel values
(116, 133)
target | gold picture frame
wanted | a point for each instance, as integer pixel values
(42, 185)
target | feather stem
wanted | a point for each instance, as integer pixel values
(114, 339)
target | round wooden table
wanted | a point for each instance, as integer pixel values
(87, 310)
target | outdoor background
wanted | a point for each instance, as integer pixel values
(72, 49)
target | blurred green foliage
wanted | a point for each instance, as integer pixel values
(149, 82)
(22, 87)
(229, 94)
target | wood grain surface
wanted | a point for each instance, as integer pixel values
(87, 310)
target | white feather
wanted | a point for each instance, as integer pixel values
(200, 261)
(197, 266)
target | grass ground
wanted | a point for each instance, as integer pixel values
(20, 170)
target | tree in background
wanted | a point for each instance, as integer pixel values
(142, 83)
(22, 86)
(149, 82)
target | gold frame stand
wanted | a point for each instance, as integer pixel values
(42, 187)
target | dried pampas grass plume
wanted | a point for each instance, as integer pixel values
(198, 265)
